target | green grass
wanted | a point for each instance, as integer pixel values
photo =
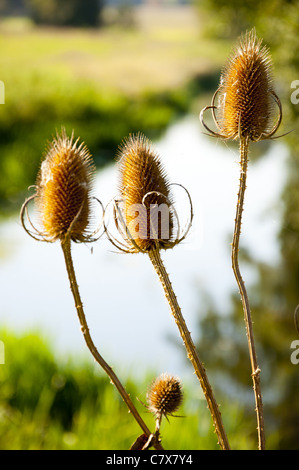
(160, 53)
(53, 403)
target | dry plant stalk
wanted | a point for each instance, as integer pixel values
(245, 109)
(144, 187)
(63, 198)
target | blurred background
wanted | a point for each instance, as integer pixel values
(107, 69)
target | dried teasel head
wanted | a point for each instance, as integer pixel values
(143, 183)
(165, 395)
(63, 191)
(145, 214)
(245, 96)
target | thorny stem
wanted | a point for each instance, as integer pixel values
(190, 348)
(66, 248)
(244, 144)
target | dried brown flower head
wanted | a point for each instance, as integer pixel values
(245, 99)
(165, 395)
(63, 191)
(144, 189)
(144, 215)
(245, 96)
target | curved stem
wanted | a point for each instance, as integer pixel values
(244, 144)
(190, 348)
(66, 248)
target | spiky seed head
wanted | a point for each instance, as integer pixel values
(64, 186)
(145, 191)
(165, 395)
(245, 101)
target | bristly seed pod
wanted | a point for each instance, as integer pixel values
(144, 214)
(245, 95)
(145, 192)
(245, 99)
(165, 395)
(64, 185)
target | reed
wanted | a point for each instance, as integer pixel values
(63, 200)
(146, 218)
(245, 110)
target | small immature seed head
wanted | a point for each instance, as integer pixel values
(245, 100)
(64, 186)
(165, 395)
(146, 196)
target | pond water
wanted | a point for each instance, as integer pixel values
(127, 313)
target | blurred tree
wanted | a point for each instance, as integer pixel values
(66, 13)
(12, 7)
(230, 19)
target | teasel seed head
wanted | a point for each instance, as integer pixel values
(144, 214)
(246, 96)
(246, 83)
(143, 184)
(63, 192)
(64, 185)
(165, 395)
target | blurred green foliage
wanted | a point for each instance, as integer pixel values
(46, 405)
(66, 13)
(54, 12)
(102, 82)
(59, 403)
(73, 79)
(224, 19)
(102, 119)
